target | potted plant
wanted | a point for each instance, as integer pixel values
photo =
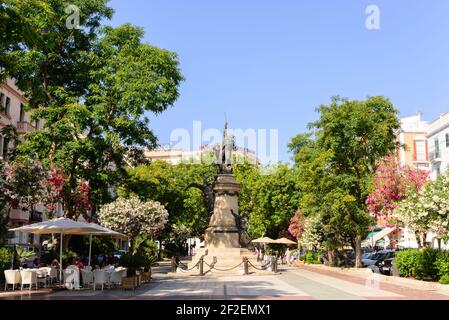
(133, 263)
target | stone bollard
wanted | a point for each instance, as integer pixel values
(173, 265)
(274, 264)
(245, 265)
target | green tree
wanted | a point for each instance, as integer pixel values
(269, 197)
(337, 166)
(169, 184)
(93, 87)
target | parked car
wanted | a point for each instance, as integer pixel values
(119, 253)
(383, 262)
(385, 266)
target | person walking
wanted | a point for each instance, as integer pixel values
(287, 256)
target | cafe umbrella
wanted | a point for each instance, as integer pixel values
(65, 226)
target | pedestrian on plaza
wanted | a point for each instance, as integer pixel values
(287, 256)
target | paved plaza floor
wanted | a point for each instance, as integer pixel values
(291, 283)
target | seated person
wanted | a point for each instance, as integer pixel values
(78, 263)
(55, 263)
(36, 264)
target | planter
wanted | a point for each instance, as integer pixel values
(130, 282)
(146, 276)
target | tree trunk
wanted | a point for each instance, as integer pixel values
(358, 251)
(439, 243)
(330, 256)
(424, 237)
(418, 240)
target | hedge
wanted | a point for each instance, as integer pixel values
(425, 264)
(312, 257)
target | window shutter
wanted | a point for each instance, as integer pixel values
(414, 150)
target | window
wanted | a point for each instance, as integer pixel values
(22, 113)
(2, 103)
(447, 140)
(437, 148)
(5, 149)
(438, 170)
(420, 146)
(7, 105)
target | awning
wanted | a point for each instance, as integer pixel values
(375, 237)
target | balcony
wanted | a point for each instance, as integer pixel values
(35, 216)
(24, 127)
(5, 120)
(19, 215)
(435, 157)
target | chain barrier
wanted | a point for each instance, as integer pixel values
(264, 267)
(212, 266)
(186, 270)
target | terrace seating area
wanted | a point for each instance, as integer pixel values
(73, 278)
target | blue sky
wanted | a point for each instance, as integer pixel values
(269, 64)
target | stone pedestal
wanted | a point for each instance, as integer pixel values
(223, 231)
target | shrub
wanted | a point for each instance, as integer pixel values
(427, 268)
(5, 261)
(442, 264)
(312, 257)
(444, 279)
(407, 262)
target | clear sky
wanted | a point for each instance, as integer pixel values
(269, 64)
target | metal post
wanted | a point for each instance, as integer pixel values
(201, 266)
(274, 264)
(173, 264)
(60, 259)
(245, 265)
(90, 249)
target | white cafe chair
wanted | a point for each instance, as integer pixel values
(100, 277)
(53, 274)
(87, 277)
(29, 277)
(42, 274)
(12, 277)
(116, 277)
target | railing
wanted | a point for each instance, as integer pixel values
(24, 127)
(18, 214)
(434, 156)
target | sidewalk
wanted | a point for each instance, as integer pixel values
(19, 293)
(363, 273)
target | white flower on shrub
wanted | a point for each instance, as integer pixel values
(134, 217)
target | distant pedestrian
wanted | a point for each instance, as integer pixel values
(287, 256)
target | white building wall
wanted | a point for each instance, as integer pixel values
(438, 138)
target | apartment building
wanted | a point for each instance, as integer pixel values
(205, 153)
(12, 112)
(412, 135)
(438, 138)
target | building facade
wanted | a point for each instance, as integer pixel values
(438, 138)
(414, 149)
(13, 113)
(204, 154)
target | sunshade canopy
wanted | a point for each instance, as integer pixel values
(263, 240)
(60, 225)
(284, 241)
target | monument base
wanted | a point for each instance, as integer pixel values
(222, 237)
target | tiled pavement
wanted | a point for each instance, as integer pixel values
(303, 283)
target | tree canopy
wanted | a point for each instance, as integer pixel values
(93, 87)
